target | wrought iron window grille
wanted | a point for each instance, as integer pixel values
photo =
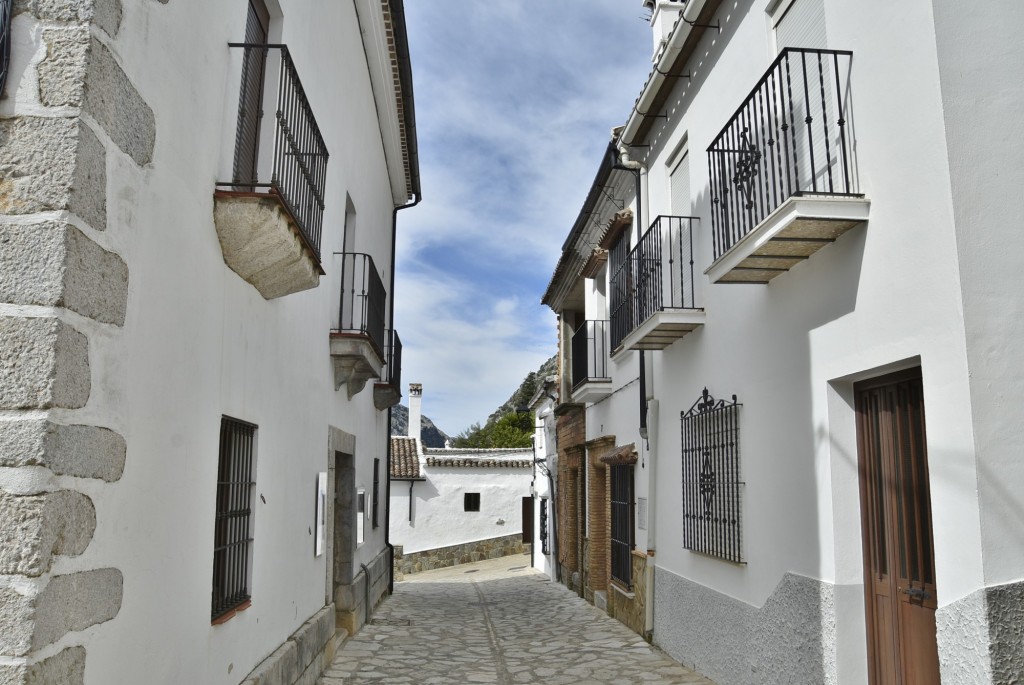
(544, 549)
(712, 479)
(790, 137)
(621, 542)
(233, 521)
(299, 171)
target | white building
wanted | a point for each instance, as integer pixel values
(795, 350)
(452, 506)
(196, 256)
(545, 537)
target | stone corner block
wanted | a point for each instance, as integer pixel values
(280, 668)
(107, 15)
(17, 619)
(115, 104)
(64, 668)
(76, 601)
(55, 264)
(43, 363)
(38, 527)
(61, 74)
(52, 163)
(67, 450)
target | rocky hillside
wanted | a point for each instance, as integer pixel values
(430, 435)
(527, 389)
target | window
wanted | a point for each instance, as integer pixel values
(376, 489)
(471, 501)
(544, 548)
(679, 183)
(711, 478)
(250, 101)
(360, 516)
(622, 523)
(621, 282)
(799, 24)
(232, 539)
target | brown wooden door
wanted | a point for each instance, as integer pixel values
(527, 519)
(899, 572)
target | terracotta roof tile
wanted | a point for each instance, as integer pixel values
(479, 463)
(405, 462)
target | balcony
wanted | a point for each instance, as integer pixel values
(590, 379)
(388, 392)
(783, 176)
(358, 343)
(269, 216)
(653, 297)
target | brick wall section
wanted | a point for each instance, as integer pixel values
(599, 512)
(571, 435)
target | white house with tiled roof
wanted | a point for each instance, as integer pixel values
(451, 506)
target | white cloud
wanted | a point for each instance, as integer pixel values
(515, 102)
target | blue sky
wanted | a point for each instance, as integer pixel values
(515, 101)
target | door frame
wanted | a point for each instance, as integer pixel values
(892, 550)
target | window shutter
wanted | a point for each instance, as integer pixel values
(679, 187)
(802, 25)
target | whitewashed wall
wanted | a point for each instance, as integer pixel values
(199, 342)
(439, 518)
(887, 295)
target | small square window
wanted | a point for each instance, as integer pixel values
(472, 501)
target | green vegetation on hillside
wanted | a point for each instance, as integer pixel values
(505, 427)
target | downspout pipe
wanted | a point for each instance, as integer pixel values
(391, 326)
(366, 594)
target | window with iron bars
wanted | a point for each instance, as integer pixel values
(376, 489)
(544, 547)
(233, 522)
(712, 484)
(622, 524)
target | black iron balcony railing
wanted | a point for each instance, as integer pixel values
(790, 137)
(393, 371)
(5, 42)
(362, 299)
(590, 353)
(656, 275)
(299, 165)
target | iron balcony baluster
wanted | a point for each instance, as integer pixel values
(299, 161)
(763, 157)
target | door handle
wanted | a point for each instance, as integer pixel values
(916, 593)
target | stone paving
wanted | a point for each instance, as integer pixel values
(497, 621)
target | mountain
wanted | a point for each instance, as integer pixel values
(430, 435)
(526, 390)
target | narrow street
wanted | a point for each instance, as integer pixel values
(497, 621)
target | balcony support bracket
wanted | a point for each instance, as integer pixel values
(355, 361)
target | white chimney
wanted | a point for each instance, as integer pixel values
(664, 15)
(415, 409)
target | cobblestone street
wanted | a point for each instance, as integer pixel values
(497, 621)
